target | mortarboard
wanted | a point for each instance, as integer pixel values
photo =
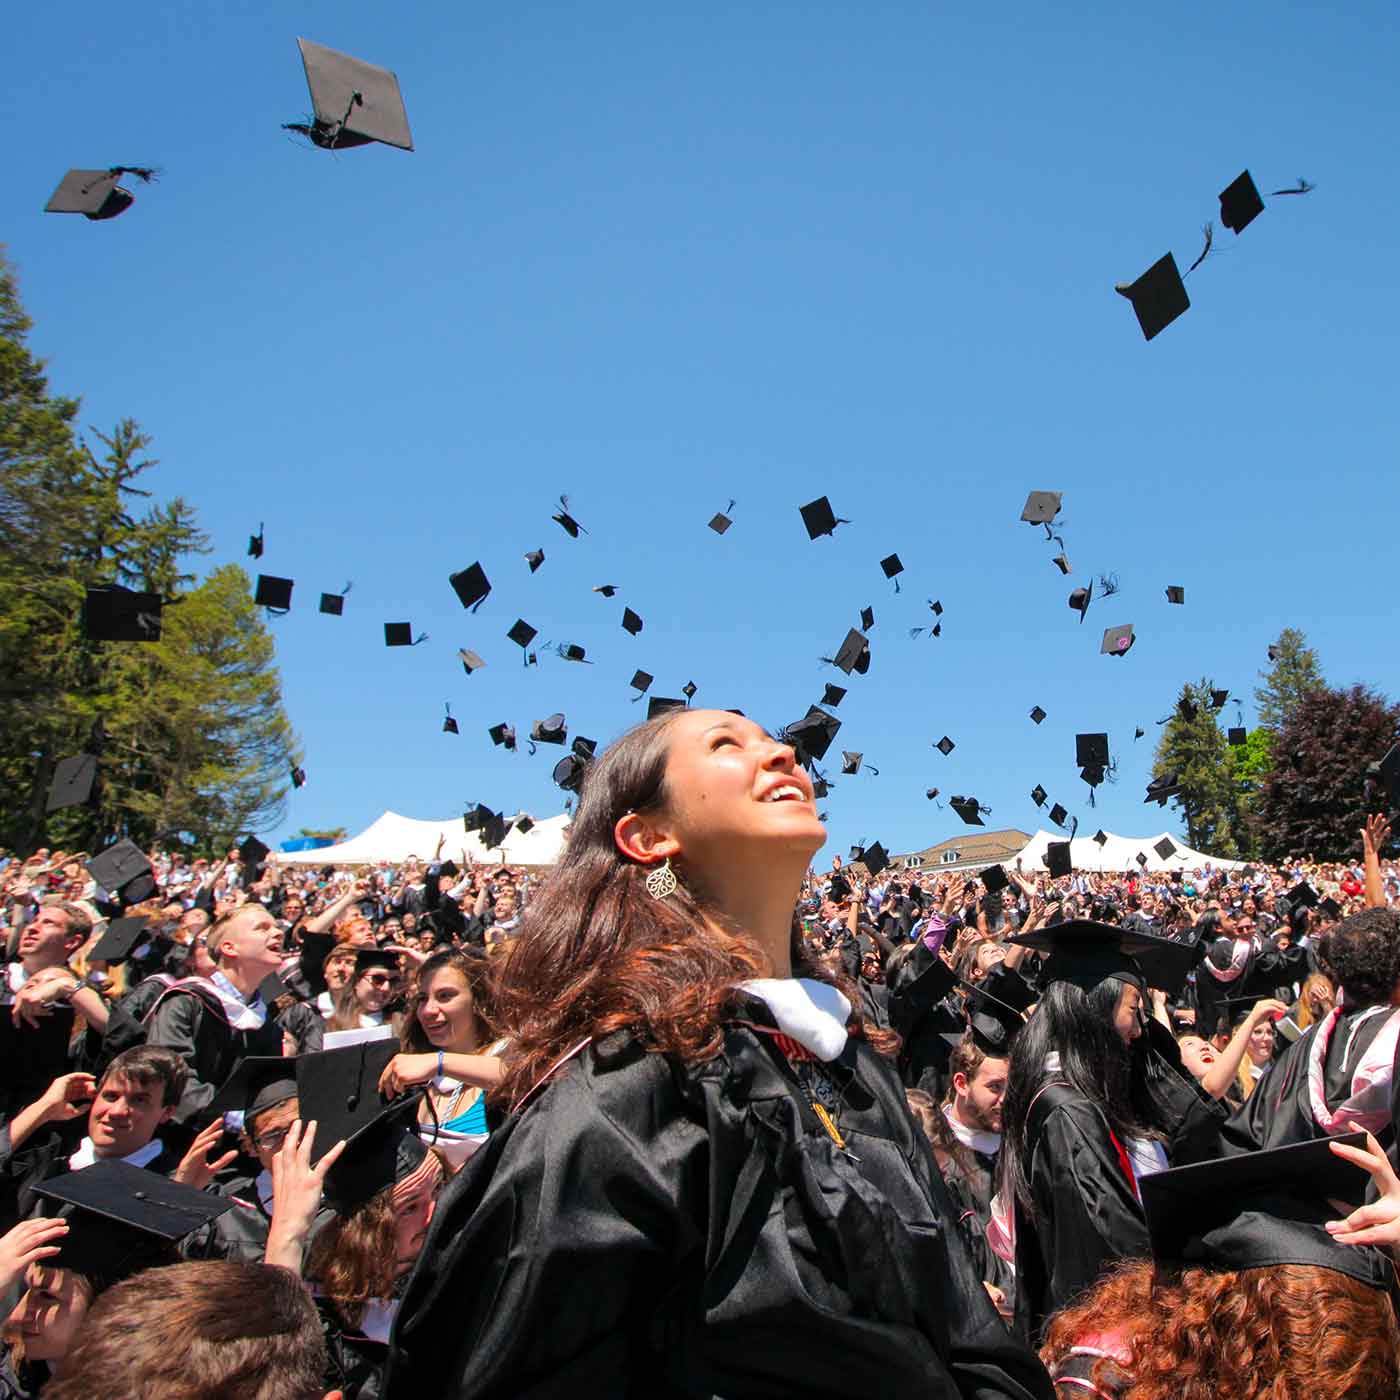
(569, 771)
(867, 619)
(688, 690)
(1163, 786)
(367, 958)
(1141, 859)
(606, 589)
(1158, 296)
(819, 518)
(892, 568)
(253, 852)
(839, 888)
(991, 1022)
(73, 780)
(1100, 838)
(96, 193)
(552, 730)
(470, 660)
(339, 1091)
(1186, 708)
(1175, 593)
(1218, 699)
(1240, 203)
(112, 613)
(1091, 750)
(470, 585)
(1165, 848)
(522, 634)
(562, 517)
(400, 634)
(475, 818)
(660, 705)
(571, 651)
(1058, 860)
(503, 735)
(641, 683)
(117, 942)
(1037, 714)
(1117, 640)
(850, 763)
(931, 794)
(1061, 562)
(812, 735)
(1273, 653)
(274, 594)
(945, 746)
(1260, 1210)
(1329, 906)
(1038, 795)
(257, 1083)
(449, 725)
(1302, 896)
(1085, 953)
(848, 656)
(298, 776)
(122, 1219)
(1080, 599)
(255, 544)
(935, 607)
(524, 823)
(123, 870)
(333, 604)
(994, 878)
(720, 521)
(874, 857)
(1058, 814)
(354, 102)
(534, 558)
(833, 695)
(631, 623)
(968, 808)
(493, 831)
(1041, 507)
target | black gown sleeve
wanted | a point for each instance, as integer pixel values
(174, 1024)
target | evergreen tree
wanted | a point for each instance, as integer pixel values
(1294, 674)
(1312, 803)
(1193, 748)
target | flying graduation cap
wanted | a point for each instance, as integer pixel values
(562, 517)
(355, 103)
(1158, 296)
(400, 634)
(720, 521)
(73, 781)
(274, 594)
(470, 585)
(503, 736)
(449, 725)
(470, 660)
(1175, 593)
(1080, 599)
(812, 735)
(892, 569)
(112, 613)
(1117, 641)
(552, 730)
(606, 589)
(631, 622)
(298, 774)
(534, 558)
(1041, 507)
(1037, 714)
(255, 544)
(641, 683)
(522, 634)
(852, 655)
(1240, 203)
(970, 810)
(851, 764)
(333, 604)
(945, 746)
(571, 651)
(97, 194)
(833, 694)
(820, 519)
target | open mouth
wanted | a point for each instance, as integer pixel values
(786, 792)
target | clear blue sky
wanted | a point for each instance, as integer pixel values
(659, 256)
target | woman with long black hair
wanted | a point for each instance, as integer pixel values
(1096, 1099)
(709, 1183)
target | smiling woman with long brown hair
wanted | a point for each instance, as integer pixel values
(709, 1182)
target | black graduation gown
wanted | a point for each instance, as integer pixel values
(357, 1362)
(647, 1228)
(923, 1013)
(1264, 974)
(972, 1182)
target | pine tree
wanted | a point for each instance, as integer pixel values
(1294, 674)
(1193, 748)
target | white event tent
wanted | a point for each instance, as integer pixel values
(393, 838)
(1120, 853)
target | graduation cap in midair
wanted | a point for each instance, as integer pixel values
(1041, 507)
(562, 517)
(1080, 598)
(641, 683)
(1175, 593)
(1236, 736)
(333, 604)
(945, 746)
(470, 585)
(852, 655)
(1163, 786)
(688, 690)
(1240, 203)
(833, 694)
(606, 589)
(1218, 699)
(970, 810)
(867, 619)
(552, 730)
(123, 870)
(1037, 714)
(932, 795)
(1165, 848)
(1058, 859)
(892, 569)
(470, 660)
(571, 651)
(255, 544)
(1058, 814)
(534, 558)
(851, 764)
(1158, 296)
(503, 736)
(631, 622)
(73, 781)
(1038, 795)
(1117, 641)
(400, 634)
(820, 519)
(522, 634)
(274, 594)
(720, 521)
(112, 613)
(97, 194)
(354, 103)
(449, 725)
(812, 735)
(298, 774)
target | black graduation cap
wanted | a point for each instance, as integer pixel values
(255, 544)
(1100, 838)
(931, 794)
(720, 521)
(1138, 732)
(1158, 296)
(400, 634)
(1218, 699)
(552, 730)
(874, 857)
(849, 654)
(97, 194)
(1260, 1210)
(1061, 562)
(298, 775)
(812, 735)
(867, 618)
(1080, 598)
(1329, 906)
(470, 660)
(253, 852)
(571, 651)
(339, 1091)
(1041, 507)
(524, 823)
(475, 818)
(641, 683)
(1037, 714)
(470, 585)
(1085, 953)
(1141, 859)
(354, 102)
(1117, 640)
(493, 831)
(112, 613)
(1038, 795)
(1058, 860)
(1186, 708)
(449, 725)
(819, 518)
(522, 634)
(631, 623)
(333, 604)
(660, 705)
(935, 607)
(1165, 848)
(121, 936)
(1273, 653)
(833, 694)
(274, 594)
(562, 517)
(994, 878)
(122, 1219)
(1302, 895)
(1175, 593)
(1163, 786)
(850, 763)
(1240, 203)
(1091, 750)
(257, 1083)
(606, 589)
(534, 558)
(1058, 814)
(892, 569)
(839, 888)
(569, 771)
(969, 809)
(123, 870)
(367, 958)
(503, 735)
(73, 780)
(945, 746)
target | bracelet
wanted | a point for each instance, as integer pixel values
(439, 1069)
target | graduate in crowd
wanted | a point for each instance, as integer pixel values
(710, 1182)
(1220, 1071)
(366, 999)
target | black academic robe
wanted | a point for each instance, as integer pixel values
(916, 995)
(356, 1362)
(971, 1178)
(643, 1227)
(240, 1234)
(1265, 973)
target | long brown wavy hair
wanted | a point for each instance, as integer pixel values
(597, 954)
(1258, 1334)
(474, 972)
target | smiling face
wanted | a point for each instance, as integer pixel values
(734, 793)
(46, 1319)
(1261, 1043)
(252, 938)
(375, 988)
(447, 1013)
(125, 1115)
(1197, 1055)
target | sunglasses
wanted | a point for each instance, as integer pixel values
(381, 980)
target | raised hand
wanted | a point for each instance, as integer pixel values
(27, 1243)
(196, 1167)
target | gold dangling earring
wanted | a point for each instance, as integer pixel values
(662, 881)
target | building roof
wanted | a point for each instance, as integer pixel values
(974, 848)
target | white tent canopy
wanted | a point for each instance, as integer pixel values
(391, 837)
(1120, 853)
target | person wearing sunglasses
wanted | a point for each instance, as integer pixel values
(372, 989)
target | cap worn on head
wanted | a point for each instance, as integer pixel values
(1117, 641)
(1084, 953)
(1240, 203)
(354, 102)
(470, 585)
(274, 594)
(1041, 507)
(112, 613)
(258, 1082)
(660, 704)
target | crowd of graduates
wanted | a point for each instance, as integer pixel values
(697, 1112)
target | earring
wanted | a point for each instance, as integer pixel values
(662, 882)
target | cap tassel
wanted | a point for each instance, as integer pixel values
(1302, 187)
(1209, 232)
(420, 638)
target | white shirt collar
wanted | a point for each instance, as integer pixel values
(86, 1155)
(978, 1139)
(813, 1013)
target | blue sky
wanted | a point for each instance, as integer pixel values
(660, 256)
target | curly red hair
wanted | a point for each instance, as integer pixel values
(1259, 1334)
